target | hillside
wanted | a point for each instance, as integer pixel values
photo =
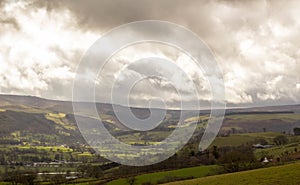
(39, 130)
(32, 116)
(279, 175)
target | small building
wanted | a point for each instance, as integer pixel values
(265, 160)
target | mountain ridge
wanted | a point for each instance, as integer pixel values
(35, 101)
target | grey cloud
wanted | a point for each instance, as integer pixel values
(107, 14)
(10, 21)
(48, 4)
(272, 28)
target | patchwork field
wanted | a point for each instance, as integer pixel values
(37, 133)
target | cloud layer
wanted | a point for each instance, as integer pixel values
(256, 44)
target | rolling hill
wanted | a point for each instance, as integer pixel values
(279, 175)
(33, 116)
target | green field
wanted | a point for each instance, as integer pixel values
(194, 172)
(46, 131)
(240, 139)
(233, 140)
(278, 151)
(262, 117)
(252, 138)
(279, 175)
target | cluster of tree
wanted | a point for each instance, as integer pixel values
(297, 131)
(231, 158)
(28, 156)
(20, 177)
(88, 170)
(281, 140)
(234, 159)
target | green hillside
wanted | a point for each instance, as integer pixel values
(279, 175)
(185, 173)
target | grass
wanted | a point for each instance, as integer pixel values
(277, 151)
(58, 118)
(279, 175)
(195, 172)
(47, 148)
(265, 135)
(136, 137)
(261, 117)
(85, 181)
(23, 108)
(197, 118)
(40, 169)
(56, 115)
(87, 154)
(240, 139)
(233, 140)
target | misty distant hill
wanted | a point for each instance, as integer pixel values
(23, 118)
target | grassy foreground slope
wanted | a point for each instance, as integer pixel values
(279, 175)
(194, 172)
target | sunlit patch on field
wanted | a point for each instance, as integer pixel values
(59, 118)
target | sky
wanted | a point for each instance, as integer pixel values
(255, 43)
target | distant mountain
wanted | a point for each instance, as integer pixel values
(32, 102)
(32, 119)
